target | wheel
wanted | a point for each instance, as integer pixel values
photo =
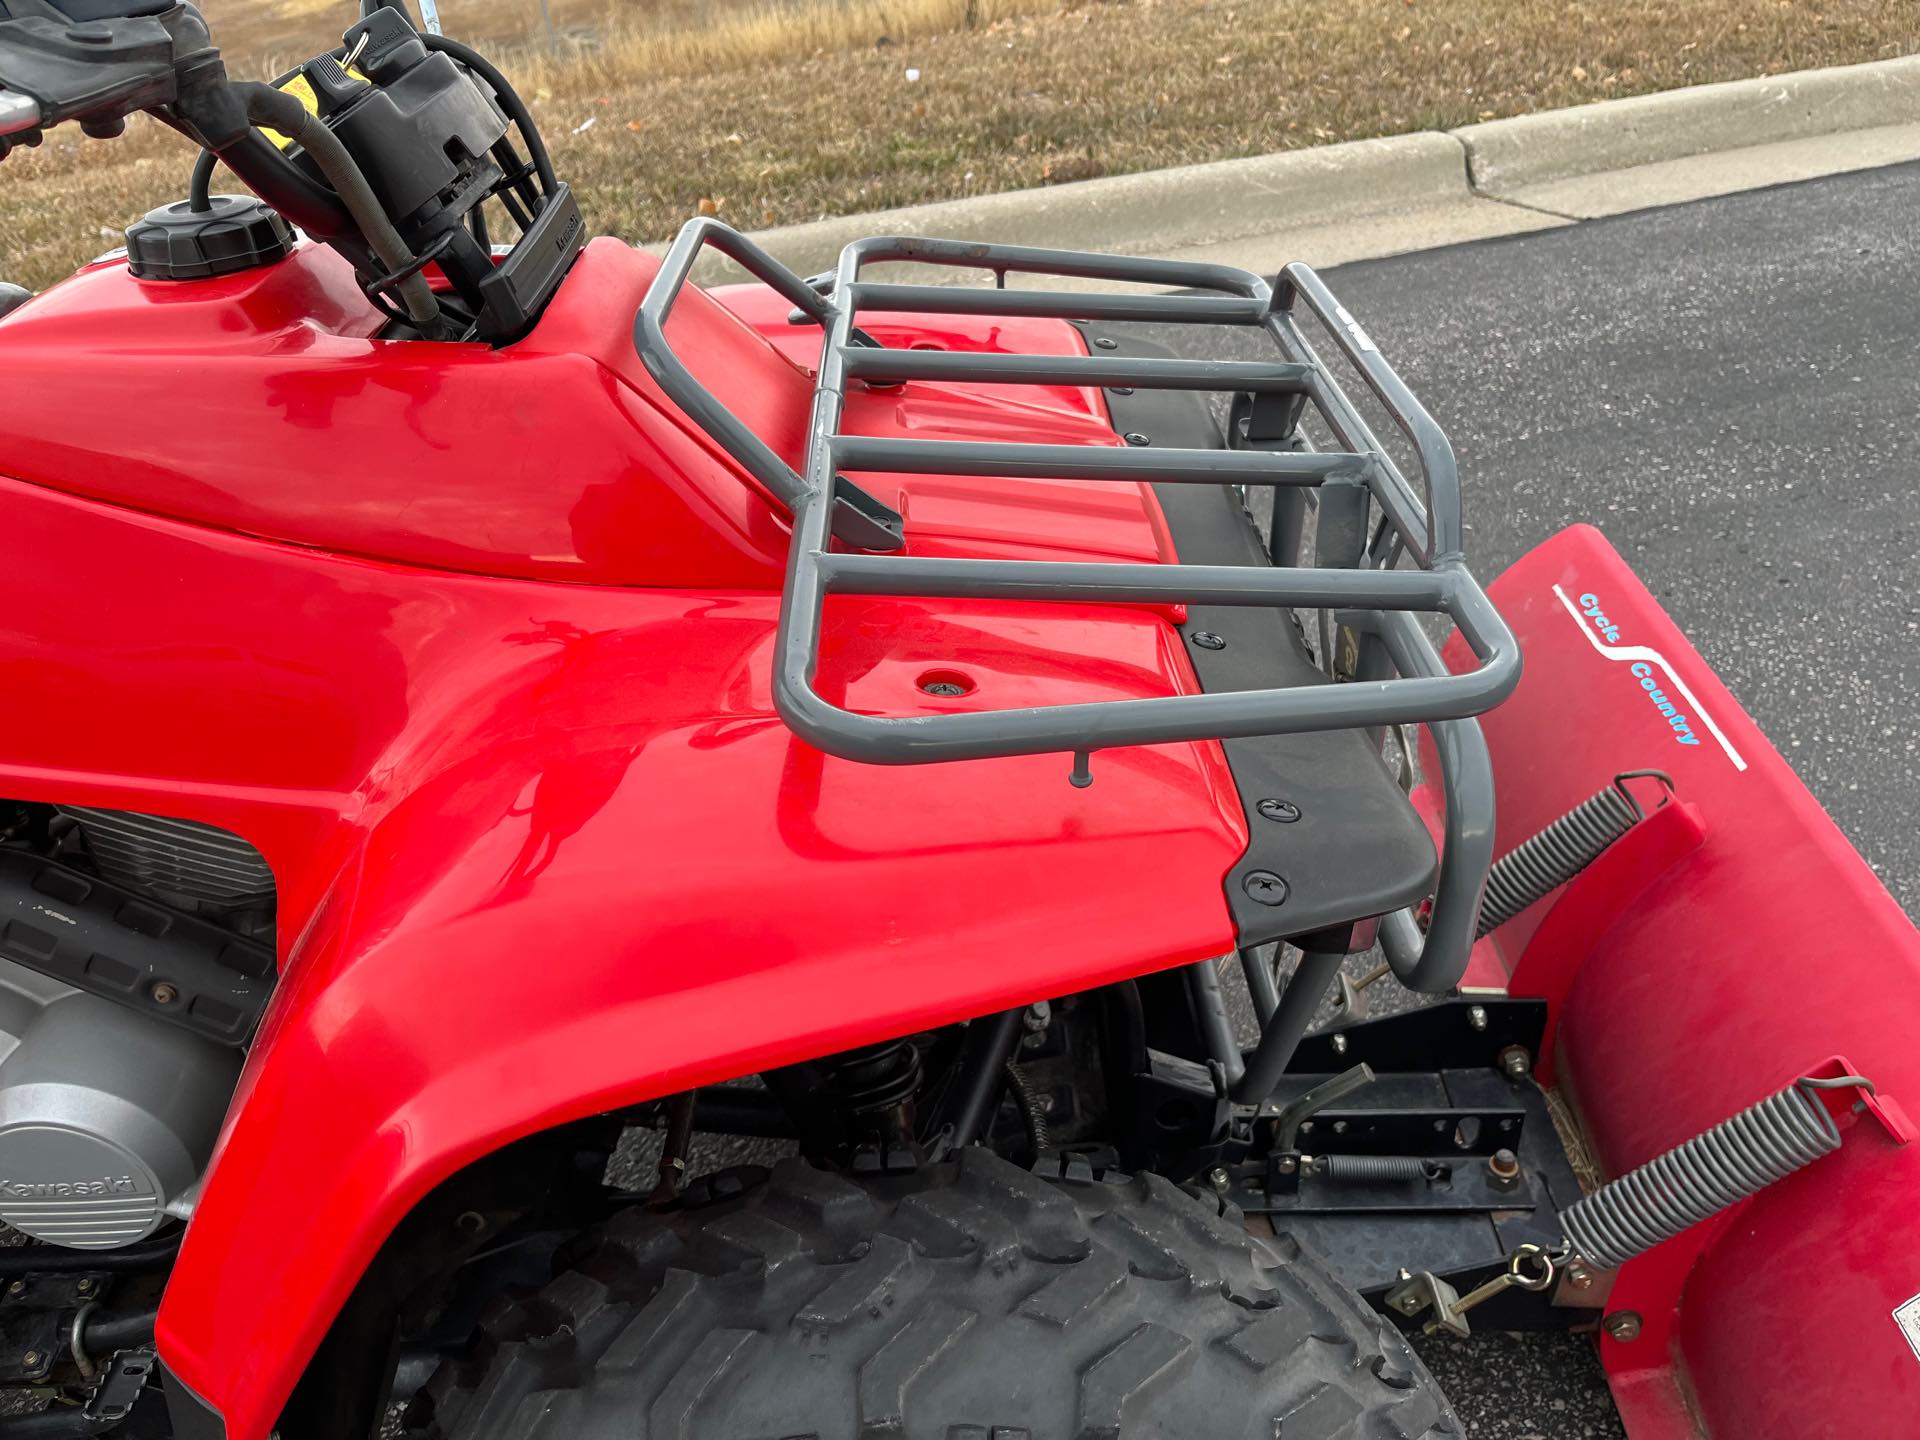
(973, 1300)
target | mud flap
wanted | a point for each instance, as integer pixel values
(1730, 943)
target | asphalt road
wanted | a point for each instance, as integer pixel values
(1727, 389)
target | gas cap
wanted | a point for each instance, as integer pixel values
(234, 232)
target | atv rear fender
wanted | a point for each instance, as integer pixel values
(1728, 944)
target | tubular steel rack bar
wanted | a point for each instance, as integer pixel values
(1374, 599)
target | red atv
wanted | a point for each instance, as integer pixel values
(473, 711)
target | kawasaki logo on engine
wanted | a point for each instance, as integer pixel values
(58, 1189)
(1664, 689)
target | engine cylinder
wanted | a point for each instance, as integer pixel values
(106, 1116)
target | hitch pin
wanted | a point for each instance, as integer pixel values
(1417, 1292)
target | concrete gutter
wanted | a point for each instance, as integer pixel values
(1166, 209)
(1377, 197)
(1504, 156)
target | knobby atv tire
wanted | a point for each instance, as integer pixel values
(972, 1301)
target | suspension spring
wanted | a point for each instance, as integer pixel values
(1739, 1157)
(1370, 1169)
(877, 1078)
(1539, 865)
(1032, 1105)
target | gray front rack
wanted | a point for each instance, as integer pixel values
(1375, 598)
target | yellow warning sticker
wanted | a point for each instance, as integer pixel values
(301, 89)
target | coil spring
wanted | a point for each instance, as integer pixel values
(1033, 1112)
(876, 1078)
(1371, 1169)
(1739, 1157)
(1537, 866)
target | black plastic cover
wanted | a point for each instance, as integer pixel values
(520, 286)
(235, 232)
(1323, 813)
(98, 69)
(123, 947)
(92, 9)
(423, 134)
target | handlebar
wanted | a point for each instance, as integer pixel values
(18, 112)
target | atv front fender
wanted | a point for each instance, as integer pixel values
(618, 875)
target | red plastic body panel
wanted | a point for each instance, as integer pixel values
(260, 402)
(543, 848)
(1731, 943)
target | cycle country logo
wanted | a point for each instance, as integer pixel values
(1655, 674)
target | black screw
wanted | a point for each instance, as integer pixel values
(1285, 811)
(1122, 390)
(1207, 640)
(1105, 344)
(1134, 437)
(1264, 887)
(942, 687)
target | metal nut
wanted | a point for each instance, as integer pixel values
(1477, 1017)
(1220, 1179)
(1579, 1277)
(1515, 1062)
(1622, 1325)
(1503, 1169)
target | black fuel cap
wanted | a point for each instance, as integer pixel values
(234, 232)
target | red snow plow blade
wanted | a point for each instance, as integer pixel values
(1730, 942)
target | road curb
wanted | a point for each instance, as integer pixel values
(1505, 155)
(1166, 209)
(1161, 211)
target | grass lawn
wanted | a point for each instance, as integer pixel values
(773, 113)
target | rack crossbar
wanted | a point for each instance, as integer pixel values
(861, 453)
(866, 295)
(958, 367)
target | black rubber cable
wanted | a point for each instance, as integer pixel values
(200, 185)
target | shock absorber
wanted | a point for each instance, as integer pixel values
(875, 1086)
(1539, 865)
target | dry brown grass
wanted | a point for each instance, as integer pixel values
(722, 112)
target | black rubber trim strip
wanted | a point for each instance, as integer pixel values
(192, 1417)
(1358, 849)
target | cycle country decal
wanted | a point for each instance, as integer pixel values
(1647, 665)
